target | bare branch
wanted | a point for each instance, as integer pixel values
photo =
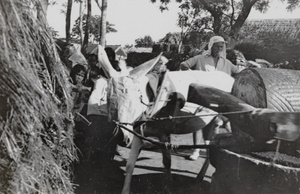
(98, 4)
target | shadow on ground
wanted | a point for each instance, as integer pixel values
(109, 179)
(148, 176)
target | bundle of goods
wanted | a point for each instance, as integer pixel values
(262, 155)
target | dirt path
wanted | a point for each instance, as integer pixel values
(148, 175)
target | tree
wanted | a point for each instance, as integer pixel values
(144, 42)
(103, 25)
(193, 39)
(86, 30)
(93, 28)
(53, 32)
(81, 13)
(171, 38)
(68, 20)
(223, 17)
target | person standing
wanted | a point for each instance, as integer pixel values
(100, 131)
(79, 92)
(213, 59)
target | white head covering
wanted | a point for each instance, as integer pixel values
(212, 41)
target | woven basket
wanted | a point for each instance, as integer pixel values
(277, 89)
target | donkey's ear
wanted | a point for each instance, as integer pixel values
(144, 68)
(105, 64)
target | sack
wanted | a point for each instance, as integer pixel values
(124, 100)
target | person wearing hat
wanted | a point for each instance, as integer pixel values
(213, 59)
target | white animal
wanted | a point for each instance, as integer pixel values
(127, 106)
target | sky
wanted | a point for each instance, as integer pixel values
(135, 19)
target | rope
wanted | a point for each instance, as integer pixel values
(276, 153)
(165, 145)
(84, 119)
(157, 143)
(204, 115)
(170, 146)
(147, 119)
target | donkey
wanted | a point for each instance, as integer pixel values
(169, 102)
(162, 129)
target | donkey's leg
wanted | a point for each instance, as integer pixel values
(210, 130)
(208, 133)
(167, 163)
(136, 147)
(197, 140)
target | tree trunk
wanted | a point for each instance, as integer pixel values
(68, 20)
(247, 6)
(80, 23)
(103, 23)
(217, 14)
(217, 23)
(179, 47)
(87, 31)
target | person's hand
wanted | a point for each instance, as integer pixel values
(184, 67)
(254, 64)
(78, 88)
(105, 63)
(241, 62)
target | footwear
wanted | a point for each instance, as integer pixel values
(194, 156)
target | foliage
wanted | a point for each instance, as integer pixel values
(53, 32)
(36, 145)
(171, 38)
(144, 42)
(197, 39)
(193, 17)
(222, 17)
(277, 41)
(292, 4)
(135, 59)
(94, 27)
(192, 41)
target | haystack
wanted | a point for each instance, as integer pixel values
(36, 144)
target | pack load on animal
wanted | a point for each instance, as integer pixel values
(263, 153)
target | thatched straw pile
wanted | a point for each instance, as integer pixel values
(276, 40)
(36, 145)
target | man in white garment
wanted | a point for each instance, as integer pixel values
(214, 59)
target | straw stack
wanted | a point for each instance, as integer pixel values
(36, 144)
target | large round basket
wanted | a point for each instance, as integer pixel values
(277, 89)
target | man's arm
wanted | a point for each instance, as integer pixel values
(234, 68)
(189, 64)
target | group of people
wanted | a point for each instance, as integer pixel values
(95, 136)
(89, 91)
